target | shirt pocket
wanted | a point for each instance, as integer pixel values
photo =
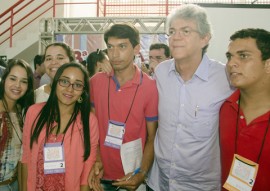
(205, 121)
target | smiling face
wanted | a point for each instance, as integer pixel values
(55, 56)
(67, 96)
(185, 42)
(245, 67)
(16, 84)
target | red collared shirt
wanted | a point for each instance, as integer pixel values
(249, 141)
(145, 108)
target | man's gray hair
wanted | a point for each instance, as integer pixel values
(191, 12)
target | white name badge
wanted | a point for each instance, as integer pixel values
(115, 134)
(242, 175)
(54, 160)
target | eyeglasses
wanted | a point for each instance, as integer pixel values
(65, 83)
(182, 32)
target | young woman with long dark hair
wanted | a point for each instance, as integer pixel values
(61, 135)
(16, 95)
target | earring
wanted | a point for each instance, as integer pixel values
(80, 100)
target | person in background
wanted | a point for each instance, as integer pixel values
(56, 54)
(16, 95)
(191, 89)
(62, 130)
(158, 52)
(45, 79)
(39, 70)
(245, 115)
(83, 63)
(3, 63)
(126, 108)
(95, 60)
(3, 66)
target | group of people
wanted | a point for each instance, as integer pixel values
(187, 122)
(50, 145)
(204, 139)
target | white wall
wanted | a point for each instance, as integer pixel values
(86, 10)
(225, 21)
(4, 4)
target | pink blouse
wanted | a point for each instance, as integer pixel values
(77, 170)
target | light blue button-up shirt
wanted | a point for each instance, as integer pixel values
(187, 156)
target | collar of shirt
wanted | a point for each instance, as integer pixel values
(137, 79)
(233, 101)
(202, 71)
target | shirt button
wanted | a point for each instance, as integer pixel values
(242, 117)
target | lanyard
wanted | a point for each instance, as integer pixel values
(19, 118)
(237, 128)
(130, 105)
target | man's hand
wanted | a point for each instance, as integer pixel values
(130, 182)
(106, 67)
(95, 175)
(145, 69)
(152, 65)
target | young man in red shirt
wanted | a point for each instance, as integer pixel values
(125, 103)
(245, 116)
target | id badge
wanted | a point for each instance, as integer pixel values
(115, 134)
(54, 160)
(242, 175)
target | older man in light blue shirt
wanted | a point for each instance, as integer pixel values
(191, 90)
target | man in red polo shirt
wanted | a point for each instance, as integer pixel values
(125, 102)
(245, 116)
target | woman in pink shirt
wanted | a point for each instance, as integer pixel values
(60, 136)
